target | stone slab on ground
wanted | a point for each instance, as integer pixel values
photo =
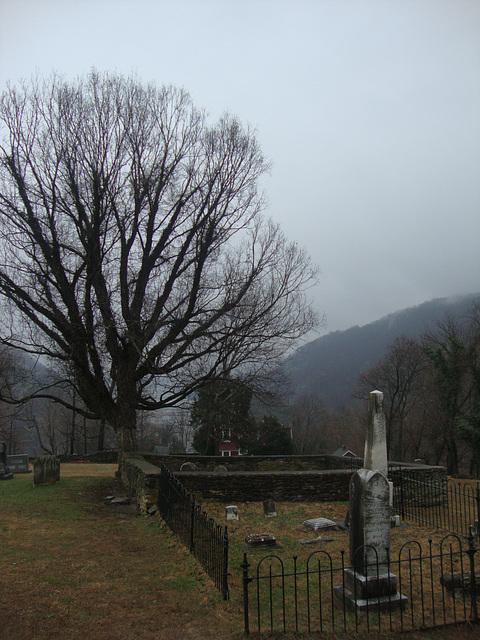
(120, 500)
(316, 540)
(261, 540)
(320, 523)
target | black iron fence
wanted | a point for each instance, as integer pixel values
(453, 505)
(430, 589)
(447, 504)
(207, 540)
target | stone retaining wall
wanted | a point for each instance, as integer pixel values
(249, 486)
(140, 478)
(252, 463)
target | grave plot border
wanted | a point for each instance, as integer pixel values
(442, 587)
(205, 538)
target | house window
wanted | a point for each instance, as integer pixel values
(226, 454)
(226, 435)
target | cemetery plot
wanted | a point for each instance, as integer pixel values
(288, 595)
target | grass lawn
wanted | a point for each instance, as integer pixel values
(73, 567)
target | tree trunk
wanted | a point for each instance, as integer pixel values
(126, 438)
(125, 430)
(452, 457)
(101, 435)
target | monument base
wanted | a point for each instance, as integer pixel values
(362, 605)
(370, 586)
(369, 593)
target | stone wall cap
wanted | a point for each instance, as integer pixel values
(303, 472)
(147, 467)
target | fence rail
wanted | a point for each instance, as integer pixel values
(438, 588)
(445, 504)
(206, 540)
(448, 504)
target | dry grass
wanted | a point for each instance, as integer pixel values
(74, 568)
(426, 607)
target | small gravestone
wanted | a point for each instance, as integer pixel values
(46, 470)
(269, 509)
(261, 540)
(18, 463)
(189, 466)
(320, 523)
(368, 581)
(5, 472)
(231, 512)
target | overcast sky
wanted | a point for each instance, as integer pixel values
(368, 109)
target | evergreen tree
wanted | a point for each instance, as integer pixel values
(222, 405)
(272, 439)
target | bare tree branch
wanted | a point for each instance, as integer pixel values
(133, 245)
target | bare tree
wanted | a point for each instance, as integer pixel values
(12, 416)
(133, 246)
(399, 375)
(309, 419)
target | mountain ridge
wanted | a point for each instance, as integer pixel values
(328, 367)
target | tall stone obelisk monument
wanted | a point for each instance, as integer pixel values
(368, 581)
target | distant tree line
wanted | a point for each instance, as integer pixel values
(431, 390)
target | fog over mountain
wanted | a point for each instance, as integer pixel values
(328, 367)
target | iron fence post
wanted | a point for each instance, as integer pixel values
(473, 579)
(246, 581)
(400, 476)
(225, 564)
(192, 523)
(477, 524)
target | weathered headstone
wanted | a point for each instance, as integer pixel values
(269, 508)
(369, 521)
(46, 470)
(18, 463)
(375, 455)
(368, 581)
(5, 473)
(231, 512)
(120, 500)
(189, 466)
(220, 468)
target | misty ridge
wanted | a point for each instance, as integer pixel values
(328, 367)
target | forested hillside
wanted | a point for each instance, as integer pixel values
(329, 366)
